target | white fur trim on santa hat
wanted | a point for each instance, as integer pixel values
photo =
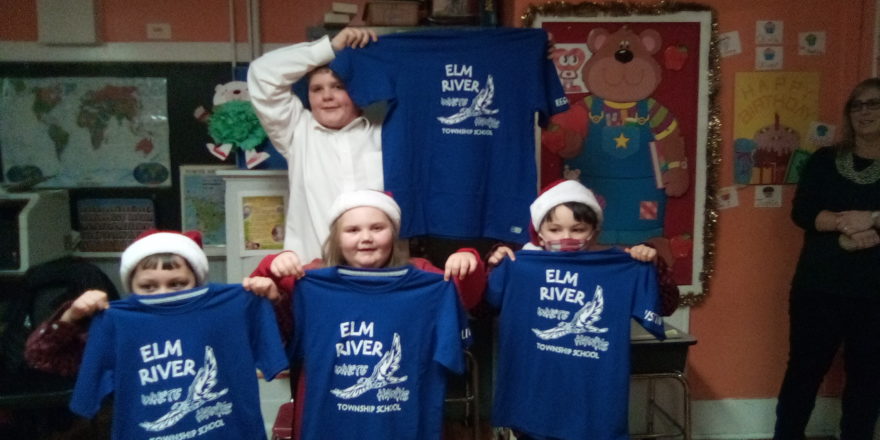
(562, 192)
(366, 197)
(159, 243)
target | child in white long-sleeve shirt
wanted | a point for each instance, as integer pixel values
(329, 145)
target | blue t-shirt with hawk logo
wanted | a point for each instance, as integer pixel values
(458, 141)
(376, 345)
(564, 340)
(181, 364)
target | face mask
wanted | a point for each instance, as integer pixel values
(566, 245)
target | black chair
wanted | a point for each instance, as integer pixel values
(467, 394)
(35, 400)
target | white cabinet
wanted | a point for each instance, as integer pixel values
(240, 262)
(35, 228)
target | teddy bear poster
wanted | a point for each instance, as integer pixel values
(636, 126)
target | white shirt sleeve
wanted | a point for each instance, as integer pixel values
(270, 78)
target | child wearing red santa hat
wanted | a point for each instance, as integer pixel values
(364, 233)
(156, 262)
(566, 216)
(168, 316)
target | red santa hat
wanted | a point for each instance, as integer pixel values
(557, 193)
(366, 197)
(188, 245)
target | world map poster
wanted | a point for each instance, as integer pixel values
(85, 132)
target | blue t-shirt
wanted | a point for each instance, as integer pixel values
(458, 142)
(377, 345)
(182, 364)
(564, 340)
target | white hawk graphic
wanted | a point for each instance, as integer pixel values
(382, 375)
(581, 323)
(200, 392)
(479, 106)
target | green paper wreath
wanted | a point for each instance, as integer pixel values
(236, 123)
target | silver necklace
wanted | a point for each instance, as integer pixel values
(869, 175)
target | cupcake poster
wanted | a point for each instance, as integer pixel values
(768, 32)
(811, 43)
(774, 112)
(768, 49)
(768, 57)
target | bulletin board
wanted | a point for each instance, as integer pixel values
(679, 40)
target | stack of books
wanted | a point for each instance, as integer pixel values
(340, 14)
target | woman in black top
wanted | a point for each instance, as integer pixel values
(835, 294)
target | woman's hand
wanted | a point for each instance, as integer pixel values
(287, 264)
(499, 254)
(460, 265)
(852, 222)
(860, 240)
(262, 286)
(642, 253)
(85, 306)
(354, 38)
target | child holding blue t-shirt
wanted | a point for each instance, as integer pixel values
(565, 306)
(159, 351)
(364, 240)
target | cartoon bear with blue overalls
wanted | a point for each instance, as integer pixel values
(619, 141)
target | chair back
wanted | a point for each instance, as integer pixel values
(33, 299)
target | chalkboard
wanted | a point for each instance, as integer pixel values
(189, 85)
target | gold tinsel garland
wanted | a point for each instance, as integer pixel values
(713, 135)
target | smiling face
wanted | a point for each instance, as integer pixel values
(161, 277)
(329, 100)
(366, 237)
(866, 121)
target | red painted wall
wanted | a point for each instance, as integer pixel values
(202, 21)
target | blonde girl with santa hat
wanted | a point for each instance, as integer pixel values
(364, 233)
(566, 216)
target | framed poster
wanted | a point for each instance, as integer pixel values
(203, 203)
(642, 131)
(263, 216)
(454, 10)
